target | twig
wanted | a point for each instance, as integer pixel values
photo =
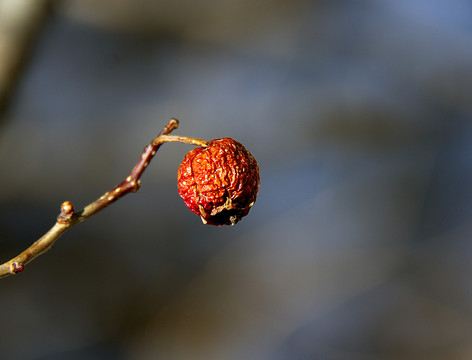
(68, 218)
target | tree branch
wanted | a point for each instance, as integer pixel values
(68, 218)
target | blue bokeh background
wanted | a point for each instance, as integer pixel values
(358, 246)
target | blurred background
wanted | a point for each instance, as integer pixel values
(359, 115)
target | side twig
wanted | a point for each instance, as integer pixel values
(68, 217)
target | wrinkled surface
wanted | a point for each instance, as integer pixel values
(219, 182)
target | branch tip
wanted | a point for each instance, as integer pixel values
(171, 126)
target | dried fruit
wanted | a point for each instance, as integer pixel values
(219, 182)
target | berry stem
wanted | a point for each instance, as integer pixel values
(183, 139)
(68, 218)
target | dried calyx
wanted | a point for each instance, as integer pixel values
(219, 182)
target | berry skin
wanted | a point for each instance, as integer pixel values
(219, 182)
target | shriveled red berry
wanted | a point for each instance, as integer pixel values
(219, 182)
